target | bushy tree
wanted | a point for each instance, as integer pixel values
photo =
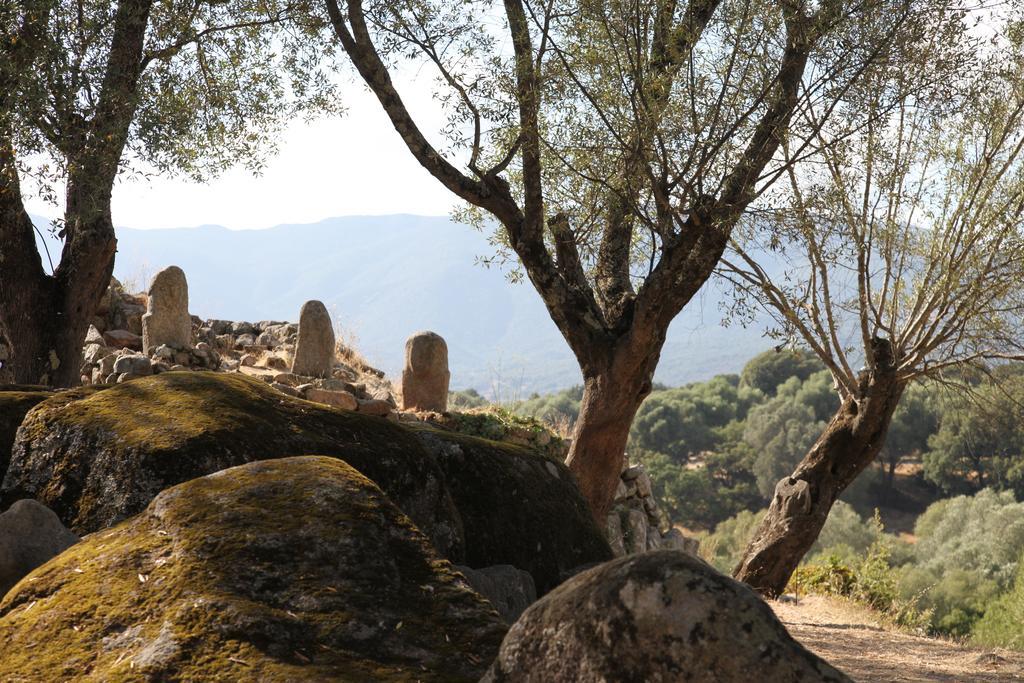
(702, 496)
(983, 532)
(766, 371)
(980, 441)
(781, 430)
(685, 421)
(1000, 626)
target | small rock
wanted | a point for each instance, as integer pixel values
(245, 341)
(93, 336)
(137, 365)
(123, 339)
(374, 407)
(30, 534)
(94, 353)
(338, 399)
(248, 360)
(287, 378)
(285, 389)
(241, 328)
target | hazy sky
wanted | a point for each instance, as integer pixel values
(353, 165)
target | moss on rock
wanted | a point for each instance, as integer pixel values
(96, 460)
(281, 570)
(100, 458)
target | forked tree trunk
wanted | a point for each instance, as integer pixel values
(45, 317)
(802, 501)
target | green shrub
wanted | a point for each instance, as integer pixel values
(723, 549)
(984, 533)
(1003, 622)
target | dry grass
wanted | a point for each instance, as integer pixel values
(853, 638)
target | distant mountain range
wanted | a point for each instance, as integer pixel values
(384, 277)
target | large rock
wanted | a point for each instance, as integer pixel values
(167, 320)
(658, 616)
(15, 402)
(517, 507)
(30, 534)
(98, 456)
(314, 352)
(284, 570)
(425, 375)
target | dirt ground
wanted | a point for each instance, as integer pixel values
(851, 639)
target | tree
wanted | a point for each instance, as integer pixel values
(616, 145)
(766, 371)
(908, 238)
(94, 88)
(980, 440)
(781, 430)
(685, 421)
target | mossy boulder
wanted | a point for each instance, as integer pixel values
(657, 616)
(281, 570)
(15, 402)
(103, 457)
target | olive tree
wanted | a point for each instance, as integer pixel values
(616, 145)
(91, 89)
(906, 252)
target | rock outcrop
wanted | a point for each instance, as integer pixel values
(98, 456)
(30, 534)
(425, 376)
(517, 507)
(283, 570)
(660, 616)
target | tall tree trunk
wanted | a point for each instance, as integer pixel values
(802, 501)
(612, 394)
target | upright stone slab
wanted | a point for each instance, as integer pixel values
(167, 320)
(425, 376)
(314, 351)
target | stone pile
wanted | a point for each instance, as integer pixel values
(636, 524)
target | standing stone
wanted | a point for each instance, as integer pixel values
(314, 352)
(425, 377)
(167, 320)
